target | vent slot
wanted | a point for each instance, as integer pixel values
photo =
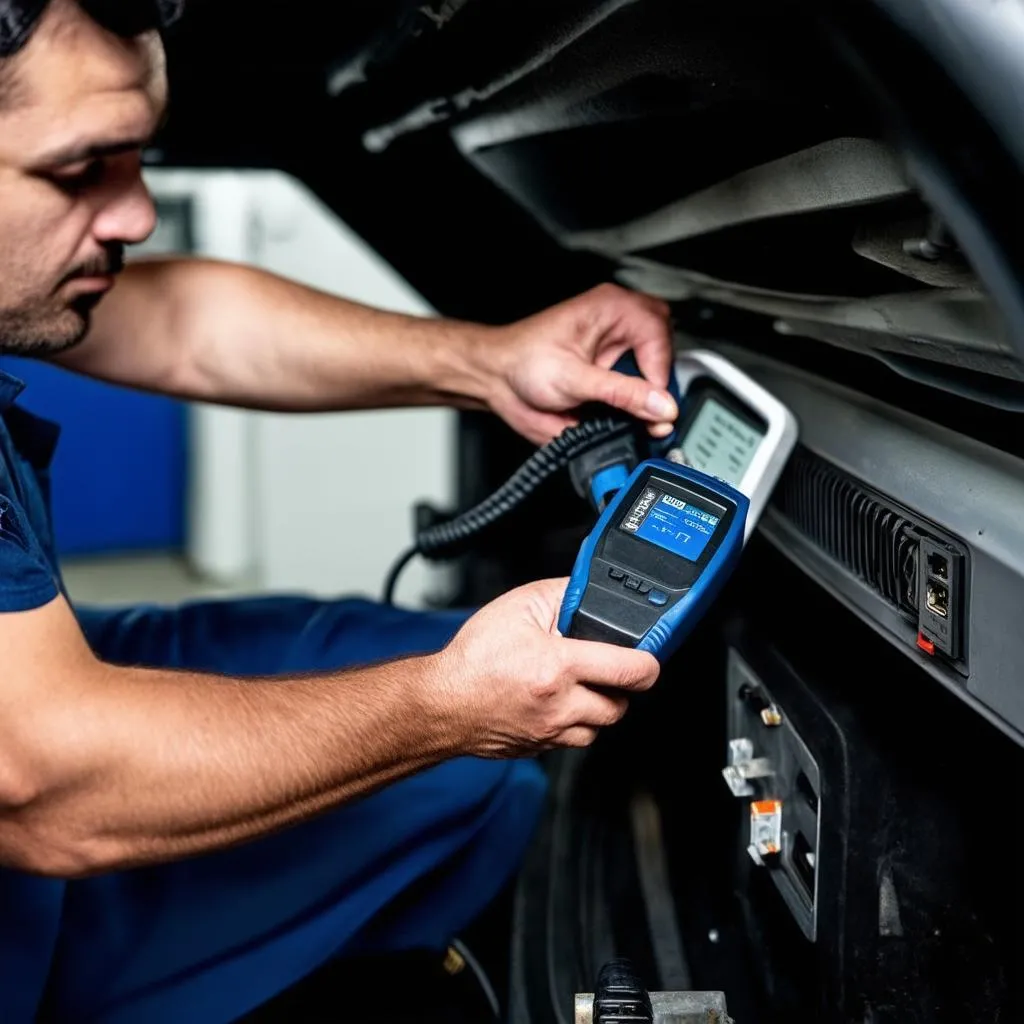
(865, 533)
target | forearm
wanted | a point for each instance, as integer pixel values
(145, 766)
(236, 335)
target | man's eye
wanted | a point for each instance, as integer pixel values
(75, 177)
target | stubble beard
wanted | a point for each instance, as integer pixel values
(55, 324)
(38, 334)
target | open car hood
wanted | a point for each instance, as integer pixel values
(832, 183)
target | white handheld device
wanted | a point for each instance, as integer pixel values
(731, 428)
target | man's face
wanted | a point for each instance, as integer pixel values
(84, 103)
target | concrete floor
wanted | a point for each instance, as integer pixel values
(138, 579)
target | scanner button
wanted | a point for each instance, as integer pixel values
(616, 574)
(632, 583)
(644, 588)
(658, 597)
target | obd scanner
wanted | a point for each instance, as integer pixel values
(732, 437)
(658, 556)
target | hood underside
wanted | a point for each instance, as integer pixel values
(842, 182)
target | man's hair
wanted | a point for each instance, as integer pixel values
(13, 89)
(126, 18)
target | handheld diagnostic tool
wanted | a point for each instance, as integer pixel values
(657, 558)
(731, 428)
(670, 535)
(732, 439)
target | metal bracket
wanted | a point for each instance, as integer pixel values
(669, 1008)
(743, 767)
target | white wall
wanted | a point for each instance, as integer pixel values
(313, 503)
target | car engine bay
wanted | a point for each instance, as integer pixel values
(830, 197)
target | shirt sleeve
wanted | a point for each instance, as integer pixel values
(27, 579)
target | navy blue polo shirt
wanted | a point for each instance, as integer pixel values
(29, 574)
(30, 907)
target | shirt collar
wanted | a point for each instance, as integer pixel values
(10, 388)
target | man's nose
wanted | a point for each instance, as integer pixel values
(128, 215)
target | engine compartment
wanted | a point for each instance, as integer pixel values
(680, 147)
(831, 193)
(913, 903)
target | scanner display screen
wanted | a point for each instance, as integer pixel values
(671, 523)
(720, 443)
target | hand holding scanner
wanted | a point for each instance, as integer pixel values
(661, 551)
(729, 428)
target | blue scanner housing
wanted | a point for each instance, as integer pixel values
(656, 559)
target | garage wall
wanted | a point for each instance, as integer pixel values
(313, 503)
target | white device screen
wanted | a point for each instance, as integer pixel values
(720, 443)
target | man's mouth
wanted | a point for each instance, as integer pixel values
(98, 274)
(93, 283)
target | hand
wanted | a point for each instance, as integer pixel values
(513, 686)
(544, 367)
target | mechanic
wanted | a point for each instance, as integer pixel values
(200, 806)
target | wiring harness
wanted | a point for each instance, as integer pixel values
(446, 539)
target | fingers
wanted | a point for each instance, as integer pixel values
(609, 665)
(596, 710)
(541, 427)
(549, 590)
(542, 601)
(609, 293)
(578, 736)
(591, 712)
(660, 429)
(651, 339)
(633, 395)
(585, 661)
(641, 323)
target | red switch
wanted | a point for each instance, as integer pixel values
(925, 644)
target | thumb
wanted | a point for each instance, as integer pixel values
(548, 591)
(541, 600)
(634, 395)
(603, 664)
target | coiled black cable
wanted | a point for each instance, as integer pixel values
(443, 540)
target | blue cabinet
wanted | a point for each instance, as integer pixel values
(119, 474)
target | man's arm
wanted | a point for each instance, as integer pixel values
(235, 335)
(103, 767)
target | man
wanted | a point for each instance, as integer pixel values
(200, 806)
